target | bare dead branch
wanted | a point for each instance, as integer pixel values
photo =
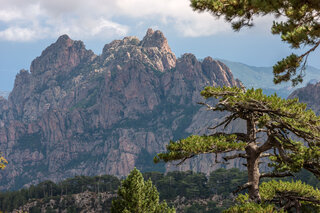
(227, 120)
(208, 106)
(266, 155)
(184, 159)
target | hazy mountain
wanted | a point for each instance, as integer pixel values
(310, 95)
(77, 113)
(262, 77)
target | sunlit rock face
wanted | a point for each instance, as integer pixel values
(77, 113)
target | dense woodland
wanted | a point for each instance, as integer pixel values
(188, 186)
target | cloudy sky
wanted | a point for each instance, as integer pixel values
(28, 26)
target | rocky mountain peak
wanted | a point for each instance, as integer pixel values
(114, 45)
(153, 50)
(150, 32)
(63, 55)
(155, 39)
(189, 57)
(21, 78)
(80, 114)
(64, 38)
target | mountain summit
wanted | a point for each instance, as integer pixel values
(76, 113)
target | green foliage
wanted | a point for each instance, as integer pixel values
(184, 184)
(251, 207)
(78, 184)
(277, 118)
(223, 182)
(3, 162)
(138, 196)
(271, 112)
(291, 192)
(209, 207)
(285, 195)
(35, 209)
(48, 189)
(299, 27)
(195, 144)
(192, 186)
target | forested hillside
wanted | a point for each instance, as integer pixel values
(189, 192)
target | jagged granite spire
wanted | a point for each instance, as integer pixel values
(63, 55)
(153, 49)
(156, 39)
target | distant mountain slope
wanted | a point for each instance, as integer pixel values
(262, 77)
(77, 113)
(310, 95)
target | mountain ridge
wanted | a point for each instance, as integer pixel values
(76, 113)
(262, 77)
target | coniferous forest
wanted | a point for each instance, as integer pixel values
(187, 191)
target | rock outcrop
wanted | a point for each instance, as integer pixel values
(76, 113)
(85, 202)
(310, 95)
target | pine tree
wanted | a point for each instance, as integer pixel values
(299, 26)
(138, 196)
(277, 119)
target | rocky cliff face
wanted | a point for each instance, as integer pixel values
(76, 113)
(310, 95)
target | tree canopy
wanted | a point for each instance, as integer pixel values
(291, 195)
(272, 123)
(138, 196)
(299, 26)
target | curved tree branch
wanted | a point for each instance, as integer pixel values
(243, 187)
(239, 155)
(274, 174)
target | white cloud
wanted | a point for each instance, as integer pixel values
(25, 20)
(22, 34)
(88, 28)
(9, 15)
(36, 19)
(106, 26)
(175, 13)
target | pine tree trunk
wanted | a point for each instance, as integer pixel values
(253, 162)
(253, 175)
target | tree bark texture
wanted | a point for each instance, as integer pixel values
(253, 162)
